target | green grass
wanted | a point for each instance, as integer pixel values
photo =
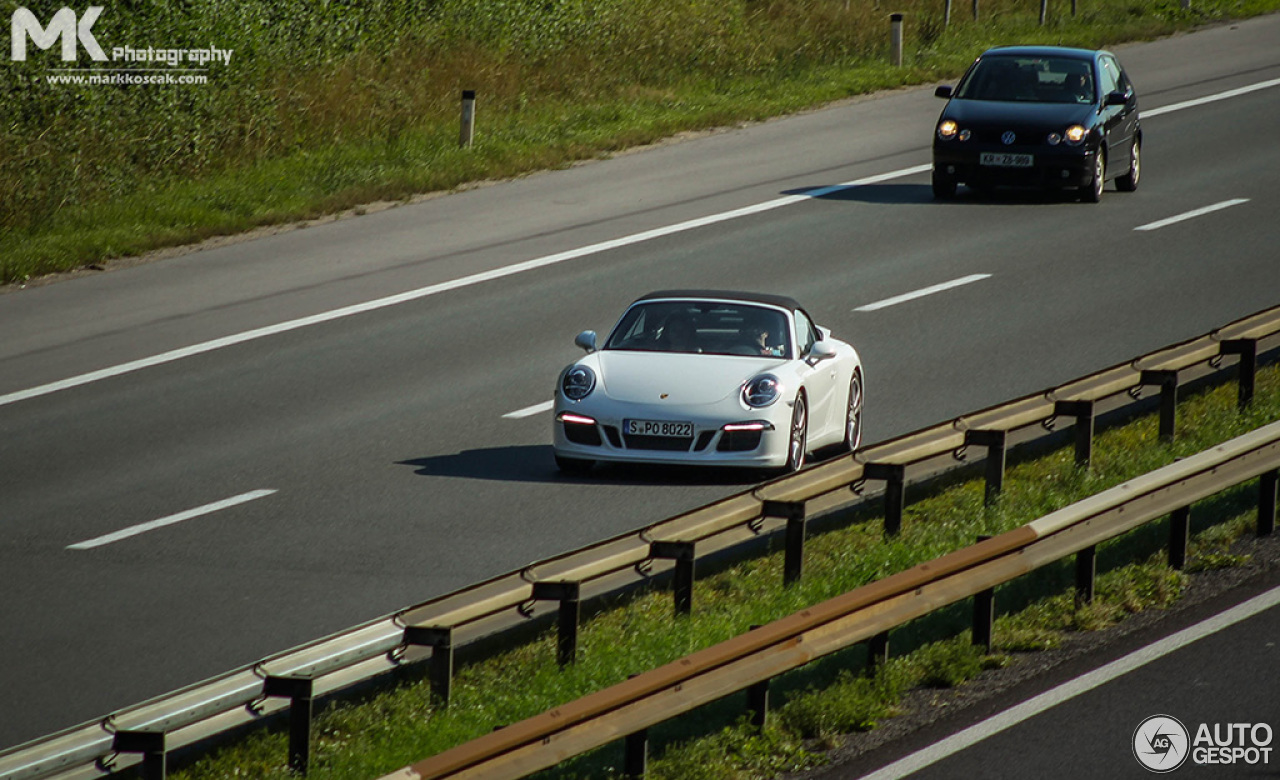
(329, 105)
(395, 727)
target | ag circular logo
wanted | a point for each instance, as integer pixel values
(1161, 743)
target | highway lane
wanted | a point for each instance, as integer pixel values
(397, 476)
(1080, 720)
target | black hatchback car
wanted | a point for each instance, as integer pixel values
(1039, 116)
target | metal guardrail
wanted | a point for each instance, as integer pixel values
(751, 660)
(146, 733)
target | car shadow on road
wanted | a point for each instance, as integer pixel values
(891, 194)
(919, 194)
(535, 463)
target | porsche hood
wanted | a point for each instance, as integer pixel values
(649, 377)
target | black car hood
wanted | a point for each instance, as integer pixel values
(995, 112)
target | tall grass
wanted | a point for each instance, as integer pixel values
(329, 103)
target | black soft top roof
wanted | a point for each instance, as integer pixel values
(781, 301)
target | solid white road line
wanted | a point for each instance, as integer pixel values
(1226, 204)
(511, 270)
(170, 520)
(423, 292)
(530, 411)
(1069, 690)
(1209, 99)
(911, 296)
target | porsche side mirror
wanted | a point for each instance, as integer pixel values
(587, 340)
(943, 92)
(1117, 99)
(821, 350)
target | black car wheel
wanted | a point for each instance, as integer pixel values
(944, 187)
(853, 415)
(573, 466)
(799, 435)
(1129, 181)
(1092, 192)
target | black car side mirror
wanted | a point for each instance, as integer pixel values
(1117, 99)
(942, 92)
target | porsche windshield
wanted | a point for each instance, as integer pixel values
(703, 327)
(1029, 80)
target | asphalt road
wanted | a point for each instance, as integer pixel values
(380, 430)
(1080, 720)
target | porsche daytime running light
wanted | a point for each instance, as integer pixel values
(1075, 134)
(578, 383)
(761, 391)
(947, 130)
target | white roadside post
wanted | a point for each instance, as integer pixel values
(468, 118)
(895, 40)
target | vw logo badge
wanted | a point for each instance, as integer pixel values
(1008, 137)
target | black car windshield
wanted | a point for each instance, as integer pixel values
(703, 327)
(1029, 79)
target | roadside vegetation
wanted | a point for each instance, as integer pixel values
(327, 105)
(812, 707)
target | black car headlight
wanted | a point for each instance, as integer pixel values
(761, 391)
(1076, 134)
(947, 129)
(578, 382)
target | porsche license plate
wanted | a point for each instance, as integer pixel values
(658, 428)
(1003, 160)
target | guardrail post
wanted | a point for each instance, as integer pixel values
(151, 744)
(301, 704)
(1247, 349)
(1168, 382)
(1086, 575)
(1267, 502)
(984, 613)
(440, 640)
(758, 703)
(994, 441)
(877, 651)
(895, 492)
(793, 511)
(1082, 411)
(636, 761)
(1179, 537)
(569, 594)
(683, 555)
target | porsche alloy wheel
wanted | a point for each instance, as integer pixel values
(853, 415)
(799, 435)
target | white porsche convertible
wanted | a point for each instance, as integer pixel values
(708, 378)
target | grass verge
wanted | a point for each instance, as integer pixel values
(396, 727)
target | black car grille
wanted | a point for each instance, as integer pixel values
(738, 441)
(665, 443)
(1023, 136)
(582, 434)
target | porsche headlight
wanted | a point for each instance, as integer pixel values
(947, 129)
(578, 383)
(1075, 134)
(761, 391)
